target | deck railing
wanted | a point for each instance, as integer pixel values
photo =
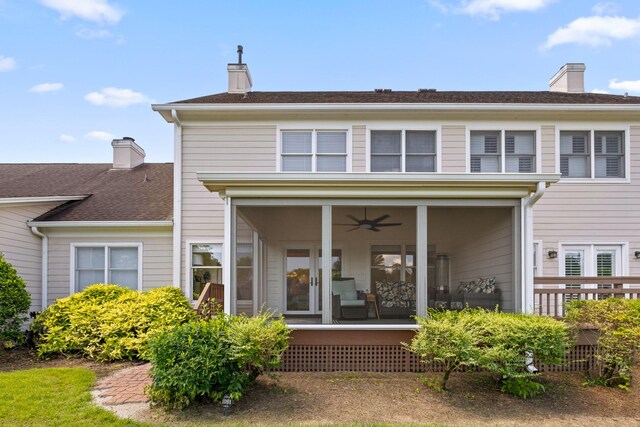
(211, 300)
(551, 294)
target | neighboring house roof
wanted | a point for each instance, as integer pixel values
(144, 193)
(425, 97)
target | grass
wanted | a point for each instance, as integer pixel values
(52, 397)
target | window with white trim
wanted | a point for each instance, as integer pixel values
(115, 264)
(592, 154)
(313, 151)
(486, 150)
(592, 260)
(403, 151)
(206, 266)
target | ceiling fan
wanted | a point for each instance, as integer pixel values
(370, 224)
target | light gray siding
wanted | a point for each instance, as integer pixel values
(548, 149)
(21, 247)
(453, 148)
(156, 256)
(591, 213)
(359, 148)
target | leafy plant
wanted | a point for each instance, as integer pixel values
(14, 303)
(109, 322)
(211, 359)
(523, 388)
(618, 322)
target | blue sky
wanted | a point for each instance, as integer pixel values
(76, 73)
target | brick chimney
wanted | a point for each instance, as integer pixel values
(239, 76)
(126, 153)
(569, 78)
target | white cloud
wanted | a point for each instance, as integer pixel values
(90, 34)
(116, 97)
(99, 11)
(601, 91)
(629, 85)
(66, 138)
(7, 63)
(594, 31)
(605, 8)
(46, 87)
(98, 135)
(491, 9)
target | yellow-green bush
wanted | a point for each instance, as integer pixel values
(109, 322)
(210, 359)
(618, 321)
(14, 303)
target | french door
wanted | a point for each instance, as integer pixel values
(303, 277)
(591, 260)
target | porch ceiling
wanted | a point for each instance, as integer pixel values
(374, 185)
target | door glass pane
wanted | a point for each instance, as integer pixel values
(336, 270)
(297, 270)
(573, 266)
(386, 264)
(605, 266)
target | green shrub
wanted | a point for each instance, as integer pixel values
(211, 359)
(14, 303)
(448, 338)
(493, 341)
(109, 322)
(618, 322)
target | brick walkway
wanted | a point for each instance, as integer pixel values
(126, 386)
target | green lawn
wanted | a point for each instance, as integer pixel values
(52, 397)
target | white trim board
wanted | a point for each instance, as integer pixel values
(40, 199)
(61, 224)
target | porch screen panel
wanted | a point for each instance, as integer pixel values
(386, 151)
(609, 152)
(574, 154)
(386, 264)
(296, 151)
(336, 270)
(244, 260)
(420, 151)
(206, 267)
(89, 267)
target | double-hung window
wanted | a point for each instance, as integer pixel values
(487, 148)
(107, 263)
(313, 151)
(403, 151)
(592, 154)
(206, 266)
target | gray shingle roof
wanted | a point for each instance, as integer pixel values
(488, 97)
(112, 195)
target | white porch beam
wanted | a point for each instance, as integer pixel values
(327, 309)
(421, 255)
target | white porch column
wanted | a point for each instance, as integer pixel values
(528, 302)
(421, 260)
(326, 265)
(228, 264)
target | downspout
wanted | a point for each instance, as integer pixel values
(45, 265)
(540, 189)
(177, 200)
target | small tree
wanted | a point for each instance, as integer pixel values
(14, 302)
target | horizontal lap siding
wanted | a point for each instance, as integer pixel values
(156, 258)
(218, 149)
(359, 148)
(548, 149)
(21, 247)
(453, 148)
(592, 213)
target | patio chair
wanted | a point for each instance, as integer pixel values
(346, 304)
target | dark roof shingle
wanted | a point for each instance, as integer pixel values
(144, 193)
(426, 97)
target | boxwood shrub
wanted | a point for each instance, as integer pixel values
(109, 322)
(207, 360)
(14, 303)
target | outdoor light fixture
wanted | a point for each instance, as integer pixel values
(553, 254)
(637, 254)
(227, 401)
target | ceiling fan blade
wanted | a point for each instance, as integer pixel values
(355, 228)
(353, 225)
(380, 219)
(374, 229)
(353, 218)
(391, 224)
